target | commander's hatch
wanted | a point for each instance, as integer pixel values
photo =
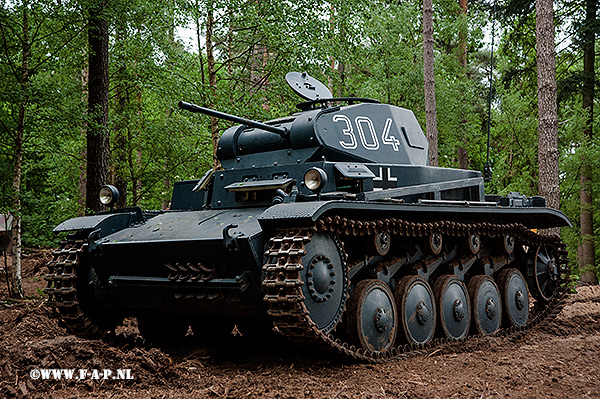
(306, 86)
(317, 93)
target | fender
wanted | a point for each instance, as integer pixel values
(105, 223)
(308, 212)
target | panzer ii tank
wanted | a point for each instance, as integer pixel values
(329, 225)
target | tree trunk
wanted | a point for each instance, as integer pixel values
(230, 49)
(587, 264)
(341, 67)
(98, 150)
(166, 200)
(430, 107)
(15, 272)
(547, 110)
(200, 58)
(462, 35)
(120, 145)
(6, 223)
(212, 82)
(463, 155)
(120, 148)
(82, 175)
(461, 149)
(341, 70)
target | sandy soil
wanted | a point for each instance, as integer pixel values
(560, 358)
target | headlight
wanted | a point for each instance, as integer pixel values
(109, 195)
(315, 179)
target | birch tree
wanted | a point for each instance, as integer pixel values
(33, 34)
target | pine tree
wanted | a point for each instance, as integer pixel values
(98, 149)
(547, 109)
(586, 249)
(430, 107)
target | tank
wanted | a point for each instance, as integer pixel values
(328, 226)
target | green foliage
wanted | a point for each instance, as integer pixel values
(366, 49)
(514, 143)
(53, 113)
(573, 120)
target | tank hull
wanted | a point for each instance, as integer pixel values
(180, 262)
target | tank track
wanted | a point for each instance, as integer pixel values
(62, 288)
(286, 300)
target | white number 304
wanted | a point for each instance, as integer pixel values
(366, 133)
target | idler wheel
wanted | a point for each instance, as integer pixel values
(416, 308)
(372, 318)
(542, 273)
(487, 306)
(325, 281)
(453, 305)
(515, 298)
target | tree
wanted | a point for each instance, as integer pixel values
(462, 47)
(517, 69)
(33, 35)
(547, 108)
(430, 107)
(120, 145)
(586, 249)
(98, 148)
(15, 277)
(212, 80)
(463, 157)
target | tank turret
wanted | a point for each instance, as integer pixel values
(365, 132)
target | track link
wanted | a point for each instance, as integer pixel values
(62, 281)
(286, 301)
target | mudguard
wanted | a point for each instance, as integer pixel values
(106, 224)
(307, 212)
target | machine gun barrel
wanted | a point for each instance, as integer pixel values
(283, 132)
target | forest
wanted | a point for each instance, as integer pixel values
(233, 55)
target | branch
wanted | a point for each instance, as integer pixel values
(11, 65)
(37, 28)
(45, 150)
(230, 60)
(577, 176)
(64, 27)
(8, 131)
(146, 187)
(574, 60)
(51, 55)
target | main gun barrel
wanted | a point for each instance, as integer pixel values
(283, 132)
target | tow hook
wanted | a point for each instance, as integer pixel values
(93, 248)
(230, 241)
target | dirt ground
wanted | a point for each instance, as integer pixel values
(560, 358)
